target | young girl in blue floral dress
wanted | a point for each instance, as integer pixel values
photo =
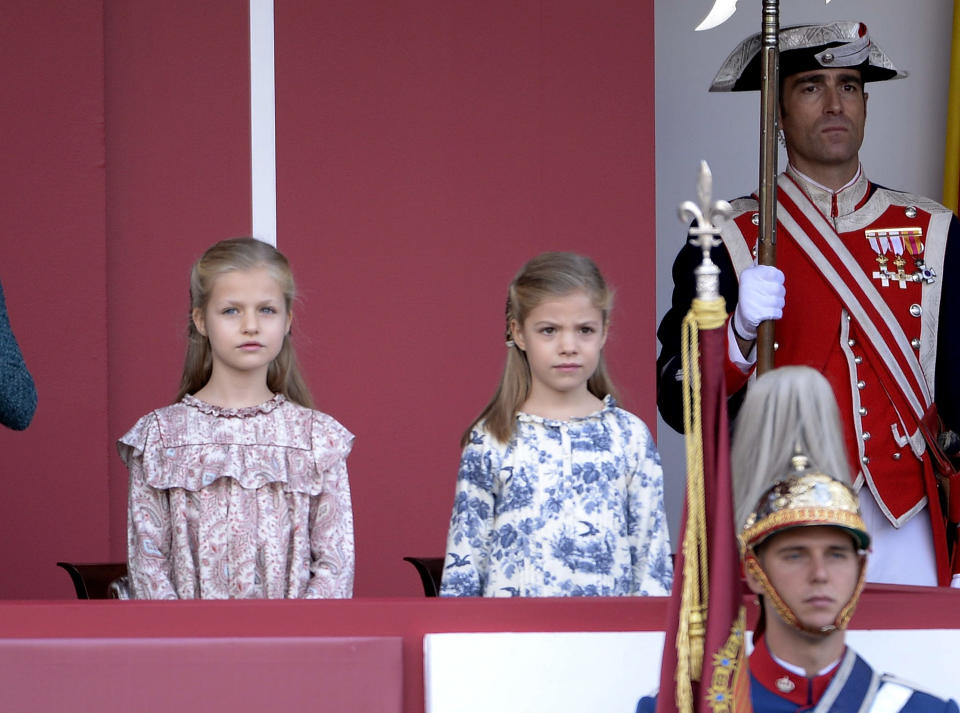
(560, 491)
(239, 489)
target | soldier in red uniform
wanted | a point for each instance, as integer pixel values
(863, 292)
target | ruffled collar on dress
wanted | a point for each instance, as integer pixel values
(609, 403)
(245, 412)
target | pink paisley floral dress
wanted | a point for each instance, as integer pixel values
(238, 503)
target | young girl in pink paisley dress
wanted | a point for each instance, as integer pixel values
(239, 489)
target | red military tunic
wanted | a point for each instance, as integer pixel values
(878, 346)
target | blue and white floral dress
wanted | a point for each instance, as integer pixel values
(566, 508)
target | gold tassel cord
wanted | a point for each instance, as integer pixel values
(694, 597)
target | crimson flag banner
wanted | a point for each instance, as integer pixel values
(703, 668)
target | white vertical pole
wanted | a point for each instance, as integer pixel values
(263, 138)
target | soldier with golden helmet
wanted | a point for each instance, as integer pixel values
(804, 551)
(804, 548)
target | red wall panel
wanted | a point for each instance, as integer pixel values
(178, 180)
(425, 151)
(293, 673)
(54, 503)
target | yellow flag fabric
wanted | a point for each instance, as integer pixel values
(951, 164)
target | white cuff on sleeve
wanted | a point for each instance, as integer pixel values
(734, 353)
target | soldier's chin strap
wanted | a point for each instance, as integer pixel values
(752, 565)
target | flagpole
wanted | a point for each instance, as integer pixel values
(703, 666)
(769, 105)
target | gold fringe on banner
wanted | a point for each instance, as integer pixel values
(694, 597)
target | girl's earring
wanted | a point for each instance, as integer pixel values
(510, 344)
(781, 139)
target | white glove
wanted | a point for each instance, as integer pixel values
(761, 298)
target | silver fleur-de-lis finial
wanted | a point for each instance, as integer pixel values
(705, 215)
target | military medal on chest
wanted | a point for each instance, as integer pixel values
(897, 242)
(915, 248)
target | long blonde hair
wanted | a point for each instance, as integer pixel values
(787, 408)
(553, 274)
(283, 375)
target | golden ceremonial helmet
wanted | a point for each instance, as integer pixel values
(805, 498)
